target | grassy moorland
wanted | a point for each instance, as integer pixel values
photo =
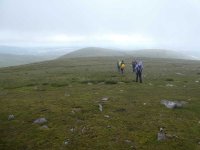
(67, 92)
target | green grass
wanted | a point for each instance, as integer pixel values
(67, 93)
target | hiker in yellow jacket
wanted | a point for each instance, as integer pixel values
(122, 67)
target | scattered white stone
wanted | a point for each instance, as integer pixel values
(199, 122)
(128, 141)
(101, 83)
(66, 142)
(169, 136)
(173, 104)
(100, 107)
(121, 90)
(161, 129)
(40, 121)
(178, 73)
(89, 83)
(104, 99)
(197, 81)
(11, 117)
(169, 85)
(83, 130)
(144, 103)
(199, 142)
(67, 94)
(150, 84)
(72, 129)
(121, 82)
(106, 116)
(44, 127)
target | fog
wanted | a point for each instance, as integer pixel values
(127, 24)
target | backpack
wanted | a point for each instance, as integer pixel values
(139, 67)
(122, 66)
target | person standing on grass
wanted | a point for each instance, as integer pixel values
(118, 65)
(134, 62)
(122, 67)
(138, 71)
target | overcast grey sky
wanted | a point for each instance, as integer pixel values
(168, 24)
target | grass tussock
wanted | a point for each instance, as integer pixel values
(169, 79)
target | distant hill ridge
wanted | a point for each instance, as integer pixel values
(103, 52)
(93, 52)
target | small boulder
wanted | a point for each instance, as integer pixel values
(45, 127)
(169, 85)
(178, 73)
(100, 107)
(72, 129)
(128, 141)
(11, 117)
(40, 121)
(89, 83)
(173, 104)
(106, 116)
(104, 99)
(66, 142)
(161, 136)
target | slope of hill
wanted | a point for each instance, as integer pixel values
(68, 95)
(150, 53)
(14, 60)
(159, 53)
(93, 52)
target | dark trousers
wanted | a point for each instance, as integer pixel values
(122, 71)
(139, 75)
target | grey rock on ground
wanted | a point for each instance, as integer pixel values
(106, 116)
(169, 85)
(100, 107)
(173, 104)
(44, 127)
(104, 98)
(128, 141)
(11, 117)
(161, 136)
(40, 121)
(66, 142)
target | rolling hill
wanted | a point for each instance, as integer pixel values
(150, 53)
(14, 60)
(93, 52)
(160, 53)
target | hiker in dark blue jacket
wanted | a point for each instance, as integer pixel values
(138, 71)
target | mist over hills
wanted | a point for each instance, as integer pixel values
(15, 60)
(12, 56)
(151, 53)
